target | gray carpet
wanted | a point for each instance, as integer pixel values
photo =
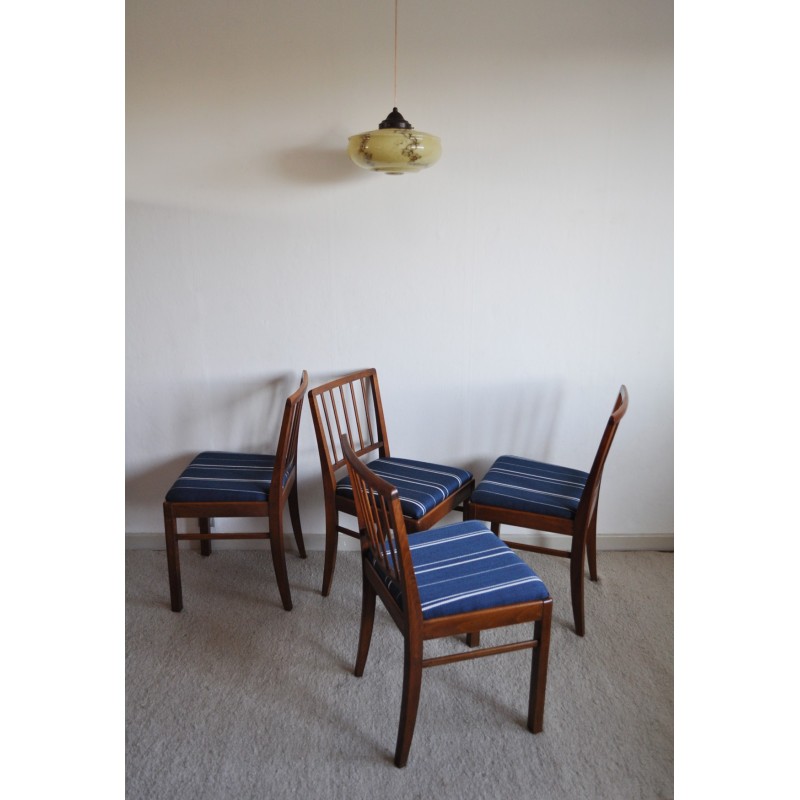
(236, 698)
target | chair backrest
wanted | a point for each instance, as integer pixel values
(348, 406)
(286, 455)
(382, 528)
(591, 492)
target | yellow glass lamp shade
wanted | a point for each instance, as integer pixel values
(395, 148)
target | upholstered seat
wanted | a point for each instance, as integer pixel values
(420, 485)
(464, 567)
(216, 476)
(531, 486)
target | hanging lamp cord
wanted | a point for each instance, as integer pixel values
(395, 53)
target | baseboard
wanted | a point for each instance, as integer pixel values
(662, 542)
(316, 541)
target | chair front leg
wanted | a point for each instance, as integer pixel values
(539, 657)
(576, 579)
(367, 620)
(279, 558)
(474, 638)
(591, 545)
(205, 544)
(412, 683)
(173, 560)
(294, 514)
(331, 545)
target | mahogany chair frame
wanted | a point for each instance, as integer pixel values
(582, 529)
(351, 406)
(281, 495)
(384, 540)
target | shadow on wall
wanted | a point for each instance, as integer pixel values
(519, 420)
(251, 413)
(233, 417)
(487, 422)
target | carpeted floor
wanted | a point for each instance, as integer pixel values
(236, 698)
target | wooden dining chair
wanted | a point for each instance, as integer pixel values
(219, 484)
(545, 497)
(351, 405)
(441, 583)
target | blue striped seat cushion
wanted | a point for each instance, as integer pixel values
(524, 485)
(465, 567)
(421, 486)
(216, 477)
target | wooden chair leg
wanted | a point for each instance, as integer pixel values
(331, 545)
(540, 655)
(279, 559)
(591, 546)
(294, 514)
(173, 560)
(576, 581)
(365, 634)
(205, 544)
(474, 639)
(412, 683)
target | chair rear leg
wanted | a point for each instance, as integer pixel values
(591, 546)
(294, 514)
(173, 560)
(279, 559)
(474, 638)
(205, 544)
(367, 619)
(539, 658)
(331, 545)
(412, 683)
(576, 581)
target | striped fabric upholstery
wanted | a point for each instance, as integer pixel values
(215, 477)
(420, 485)
(524, 485)
(465, 567)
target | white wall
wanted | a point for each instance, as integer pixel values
(503, 295)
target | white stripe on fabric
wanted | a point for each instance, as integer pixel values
(477, 575)
(526, 489)
(228, 467)
(220, 489)
(467, 534)
(414, 545)
(455, 476)
(403, 498)
(501, 547)
(522, 499)
(406, 499)
(543, 478)
(459, 562)
(525, 463)
(218, 480)
(478, 592)
(400, 480)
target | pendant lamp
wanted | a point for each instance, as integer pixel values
(395, 148)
